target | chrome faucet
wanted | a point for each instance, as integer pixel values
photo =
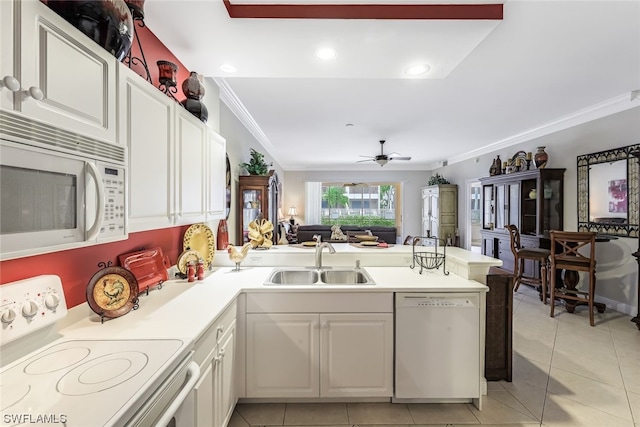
(319, 249)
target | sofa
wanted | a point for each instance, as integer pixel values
(306, 232)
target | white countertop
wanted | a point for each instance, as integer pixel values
(184, 310)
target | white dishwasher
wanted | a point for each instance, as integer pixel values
(437, 347)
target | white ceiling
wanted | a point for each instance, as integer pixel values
(546, 65)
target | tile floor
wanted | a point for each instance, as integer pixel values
(565, 373)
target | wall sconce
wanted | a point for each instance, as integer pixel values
(292, 212)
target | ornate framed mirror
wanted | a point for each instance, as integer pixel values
(608, 185)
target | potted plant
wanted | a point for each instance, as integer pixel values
(257, 165)
(437, 179)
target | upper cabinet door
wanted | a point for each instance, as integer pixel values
(7, 38)
(191, 137)
(216, 180)
(146, 126)
(74, 77)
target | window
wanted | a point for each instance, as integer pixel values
(360, 204)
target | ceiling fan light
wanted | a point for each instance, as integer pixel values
(382, 162)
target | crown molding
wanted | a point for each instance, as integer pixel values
(606, 108)
(229, 97)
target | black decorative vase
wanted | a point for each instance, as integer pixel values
(197, 108)
(107, 22)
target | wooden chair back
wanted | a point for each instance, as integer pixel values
(514, 235)
(573, 250)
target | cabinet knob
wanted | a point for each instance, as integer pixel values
(11, 83)
(35, 93)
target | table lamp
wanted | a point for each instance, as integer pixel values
(292, 212)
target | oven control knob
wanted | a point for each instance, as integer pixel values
(8, 316)
(51, 301)
(30, 309)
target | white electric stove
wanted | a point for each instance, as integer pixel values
(81, 383)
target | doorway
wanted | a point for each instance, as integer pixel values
(474, 216)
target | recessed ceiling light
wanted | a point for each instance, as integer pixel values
(228, 68)
(416, 70)
(326, 53)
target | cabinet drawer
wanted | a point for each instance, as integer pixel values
(206, 344)
(320, 302)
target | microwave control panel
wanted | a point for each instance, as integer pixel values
(113, 179)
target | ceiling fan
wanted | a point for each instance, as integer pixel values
(382, 159)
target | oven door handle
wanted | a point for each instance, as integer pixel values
(193, 373)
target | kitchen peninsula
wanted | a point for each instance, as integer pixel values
(230, 320)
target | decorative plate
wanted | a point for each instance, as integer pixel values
(365, 238)
(112, 292)
(519, 155)
(148, 266)
(199, 237)
(185, 258)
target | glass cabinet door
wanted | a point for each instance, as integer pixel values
(551, 205)
(501, 206)
(251, 209)
(487, 207)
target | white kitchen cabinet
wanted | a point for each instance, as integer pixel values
(146, 118)
(216, 176)
(7, 40)
(440, 211)
(356, 354)
(282, 355)
(177, 164)
(66, 79)
(215, 395)
(319, 345)
(190, 154)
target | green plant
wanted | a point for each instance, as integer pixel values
(257, 165)
(437, 179)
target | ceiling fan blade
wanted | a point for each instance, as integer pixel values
(394, 154)
(367, 160)
(400, 158)
(370, 157)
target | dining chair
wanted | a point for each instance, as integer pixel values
(573, 251)
(521, 254)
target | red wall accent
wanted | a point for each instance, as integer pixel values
(154, 50)
(76, 267)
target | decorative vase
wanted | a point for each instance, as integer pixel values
(194, 91)
(532, 194)
(498, 165)
(192, 88)
(107, 22)
(540, 158)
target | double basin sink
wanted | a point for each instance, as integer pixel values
(324, 276)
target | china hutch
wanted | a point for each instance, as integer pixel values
(532, 200)
(258, 196)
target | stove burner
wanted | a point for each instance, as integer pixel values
(56, 361)
(101, 373)
(12, 394)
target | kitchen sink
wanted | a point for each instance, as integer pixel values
(325, 276)
(344, 276)
(293, 277)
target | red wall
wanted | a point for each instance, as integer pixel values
(76, 267)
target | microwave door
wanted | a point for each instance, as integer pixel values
(42, 201)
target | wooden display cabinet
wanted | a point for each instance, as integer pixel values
(532, 200)
(258, 195)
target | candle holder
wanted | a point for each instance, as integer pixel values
(167, 78)
(528, 164)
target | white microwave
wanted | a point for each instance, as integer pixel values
(58, 190)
